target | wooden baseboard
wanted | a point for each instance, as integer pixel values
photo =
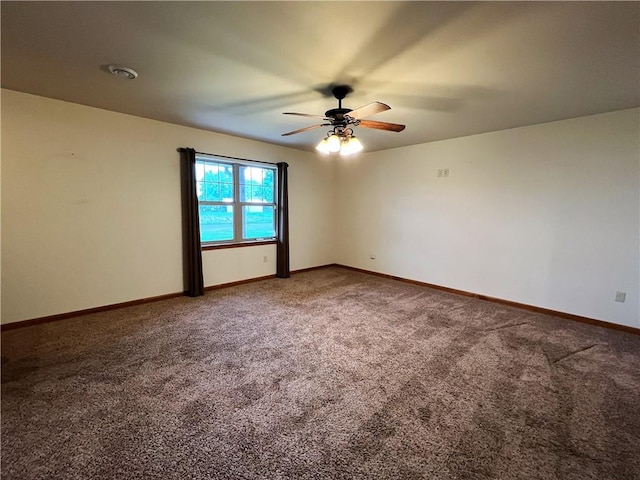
(523, 306)
(545, 311)
(114, 306)
(87, 311)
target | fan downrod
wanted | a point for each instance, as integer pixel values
(339, 91)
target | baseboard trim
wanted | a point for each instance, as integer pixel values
(132, 303)
(523, 306)
(87, 311)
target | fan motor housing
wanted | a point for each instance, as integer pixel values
(337, 113)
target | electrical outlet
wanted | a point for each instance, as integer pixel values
(445, 172)
(439, 172)
(621, 296)
(265, 259)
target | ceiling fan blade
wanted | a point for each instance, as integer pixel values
(370, 109)
(392, 127)
(306, 115)
(300, 130)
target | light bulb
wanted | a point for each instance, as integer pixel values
(333, 142)
(323, 146)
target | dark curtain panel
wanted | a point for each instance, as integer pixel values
(282, 254)
(193, 278)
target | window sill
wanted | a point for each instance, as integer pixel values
(220, 246)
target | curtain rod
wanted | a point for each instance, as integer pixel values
(182, 149)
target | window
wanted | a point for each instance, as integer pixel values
(236, 199)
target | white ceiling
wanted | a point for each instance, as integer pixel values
(447, 69)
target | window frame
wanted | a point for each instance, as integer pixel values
(237, 204)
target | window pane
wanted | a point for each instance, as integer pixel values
(199, 180)
(211, 192)
(268, 183)
(257, 195)
(214, 181)
(258, 222)
(256, 184)
(245, 184)
(268, 194)
(226, 183)
(216, 223)
(211, 172)
(210, 181)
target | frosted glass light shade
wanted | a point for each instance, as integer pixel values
(323, 146)
(333, 142)
(350, 147)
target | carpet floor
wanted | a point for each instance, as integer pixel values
(331, 374)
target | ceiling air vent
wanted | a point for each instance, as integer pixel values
(123, 72)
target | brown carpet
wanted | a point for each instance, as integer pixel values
(331, 374)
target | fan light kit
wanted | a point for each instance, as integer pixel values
(341, 138)
(123, 72)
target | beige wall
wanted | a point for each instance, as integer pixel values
(91, 208)
(546, 215)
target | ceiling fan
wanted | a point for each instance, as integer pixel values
(341, 138)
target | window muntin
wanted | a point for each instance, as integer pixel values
(236, 201)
